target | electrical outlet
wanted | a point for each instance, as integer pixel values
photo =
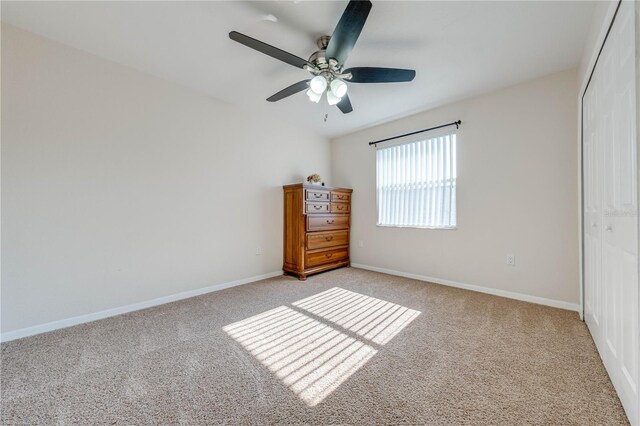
(360, 243)
(511, 260)
(258, 251)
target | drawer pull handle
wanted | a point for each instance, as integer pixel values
(317, 207)
(317, 195)
(329, 238)
(339, 207)
(329, 255)
(330, 221)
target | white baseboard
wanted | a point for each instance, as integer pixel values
(502, 293)
(81, 319)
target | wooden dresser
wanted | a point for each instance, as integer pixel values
(316, 228)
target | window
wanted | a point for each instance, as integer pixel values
(416, 183)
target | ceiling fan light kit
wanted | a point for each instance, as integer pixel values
(318, 85)
(326, 65)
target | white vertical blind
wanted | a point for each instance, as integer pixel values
(416, 183)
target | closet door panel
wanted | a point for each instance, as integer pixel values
(629, 324)
(592, 159)
(611, 210)
(623, 224)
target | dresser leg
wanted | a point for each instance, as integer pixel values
(302, 277)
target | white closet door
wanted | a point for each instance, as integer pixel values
(610, 210)
(592, 188)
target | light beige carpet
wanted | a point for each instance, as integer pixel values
(344, 347)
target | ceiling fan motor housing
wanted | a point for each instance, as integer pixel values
(318, 59)
(327, 67)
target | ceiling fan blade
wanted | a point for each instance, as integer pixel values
(291, 90)
(267, 49)
(379, 75)
(345, 105)
(348, 30)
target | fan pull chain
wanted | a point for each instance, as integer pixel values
(326, 112)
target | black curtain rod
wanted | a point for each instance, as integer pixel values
(455, 123)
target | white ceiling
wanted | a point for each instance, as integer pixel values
(459, 49)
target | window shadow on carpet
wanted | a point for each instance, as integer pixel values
(317, 343)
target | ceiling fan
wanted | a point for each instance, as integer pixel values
(326, 65)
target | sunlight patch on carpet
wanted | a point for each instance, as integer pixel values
(371, 318)
(313, 358)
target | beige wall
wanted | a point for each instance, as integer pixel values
(517, 193)
(118, 187)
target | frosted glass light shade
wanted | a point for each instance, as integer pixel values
(332, 99)
(318, 84)
(338, 87)
(313, 96)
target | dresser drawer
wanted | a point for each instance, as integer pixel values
(327, 222)
(326, 256)
(319, 240)
(340, 197)
(317, 195)
(340, 207)
(316, 207)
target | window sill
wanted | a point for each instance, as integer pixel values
(441, 228)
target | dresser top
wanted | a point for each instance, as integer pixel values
(317, 187)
